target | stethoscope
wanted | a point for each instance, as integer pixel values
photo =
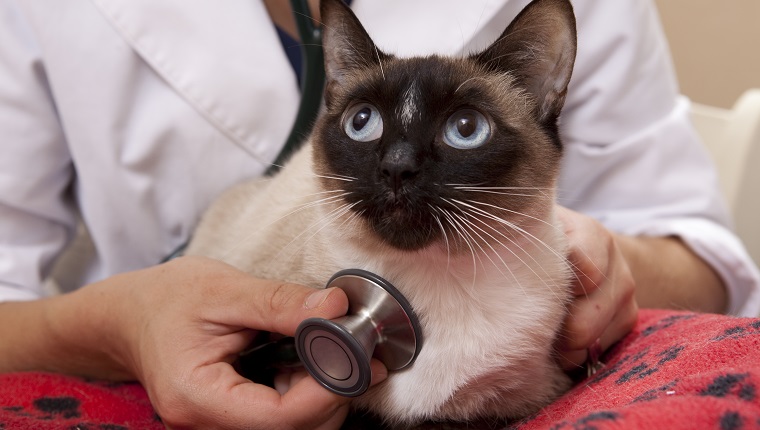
(312, 82)
(380, 322)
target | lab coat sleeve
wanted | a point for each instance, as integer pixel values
(36, 219)
(632, 158)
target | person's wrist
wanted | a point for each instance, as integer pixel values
(85, 333)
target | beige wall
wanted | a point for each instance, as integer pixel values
(715, 46)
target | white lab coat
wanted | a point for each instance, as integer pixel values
(136, 114)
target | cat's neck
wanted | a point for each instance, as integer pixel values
(529, 253)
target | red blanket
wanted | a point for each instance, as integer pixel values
(674, 371)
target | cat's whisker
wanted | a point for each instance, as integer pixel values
(557, 229)
(379, 62)
(497, 189)
(542, 279)
(463, 53)
(505, 191)
(325, 221)
(527, 234)
(344, 176)
(464, 185)
(351, 218)
(478, 187)
(297, 209)
(503, 263)
(467, 238)
(468, 80)
(508, 248)
(547, 223)
(307, 205)
(502, 193)
(320, 193)
(461, 35)
(336, 177)
(445, 236)
(484, 186)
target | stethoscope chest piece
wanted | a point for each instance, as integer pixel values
(380, 323)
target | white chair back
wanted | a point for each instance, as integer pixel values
(733, 138)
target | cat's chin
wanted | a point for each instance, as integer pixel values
(403, 234)
(395, 238)
(408, 243)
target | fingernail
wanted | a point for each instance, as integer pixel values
(315, 299)
(379, 377)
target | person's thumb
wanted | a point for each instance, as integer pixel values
(280, 307)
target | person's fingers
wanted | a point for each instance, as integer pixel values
(604, 307)
(280, 307)
(621, 324)
(588, 256)
(624, 321)
(237, 299)
(303, 397)
(379, 372)
(227, 400)
(308, 402)
(590, 315)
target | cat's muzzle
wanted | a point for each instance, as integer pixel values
(380, 323)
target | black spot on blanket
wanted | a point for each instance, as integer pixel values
(58, 407)
(731, 421)
(640, 371)
(90, 426)
(730, 332)
(670, 354)
(588, 422)
(665, 323)
(599, 416)
(616, 367)
(748, 392)
(738, 332)
(656, 393)
(722, 385)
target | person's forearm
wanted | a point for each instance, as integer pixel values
(67, 334)
(669, 275)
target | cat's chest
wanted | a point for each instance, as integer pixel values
(466, 298)
(478, 320)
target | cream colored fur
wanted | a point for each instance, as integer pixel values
(489, 316)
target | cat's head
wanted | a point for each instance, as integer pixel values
(444, 149)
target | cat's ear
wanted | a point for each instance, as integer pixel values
(538, 48)
(347, 46)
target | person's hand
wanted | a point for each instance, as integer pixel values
(183, 324)
(603, 307)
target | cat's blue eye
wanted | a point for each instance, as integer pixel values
(363, 123)
(467, 129)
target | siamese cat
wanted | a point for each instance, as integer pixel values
(438, 174)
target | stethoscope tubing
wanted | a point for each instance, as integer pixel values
(312, 82)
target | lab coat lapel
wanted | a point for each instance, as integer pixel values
(224, 58)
